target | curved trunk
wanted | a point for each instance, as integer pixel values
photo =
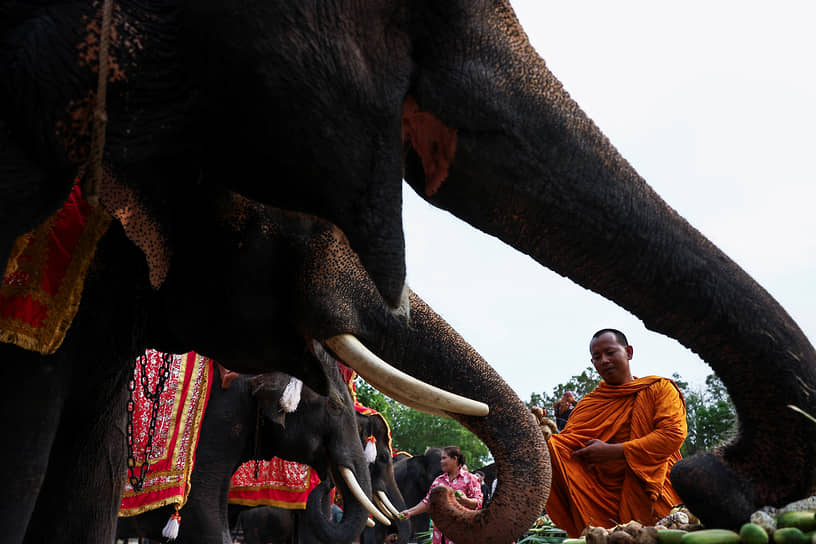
(431, 350)
(568, 199)
(392, 491)
(318, 512)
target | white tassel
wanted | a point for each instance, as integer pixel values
(370, 450)
(291, 395)
(171, 529)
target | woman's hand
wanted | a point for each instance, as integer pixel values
(464, 500)
(405, 514)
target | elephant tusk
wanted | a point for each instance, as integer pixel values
(385, 387)
(388, 505)
(359, 494)
(399, 385)
(370, 522)
(383, 508)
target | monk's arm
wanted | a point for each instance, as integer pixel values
(669, 424)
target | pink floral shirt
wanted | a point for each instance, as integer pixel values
(465, 482)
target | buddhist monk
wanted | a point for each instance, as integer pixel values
(611, 462)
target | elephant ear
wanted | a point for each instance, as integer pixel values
(268, 390)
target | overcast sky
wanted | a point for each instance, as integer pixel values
(714, 103)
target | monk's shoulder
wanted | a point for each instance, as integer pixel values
(665, 388)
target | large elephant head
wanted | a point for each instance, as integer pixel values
(323, 111)
(315, 297)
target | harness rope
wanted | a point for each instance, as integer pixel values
(90, 188)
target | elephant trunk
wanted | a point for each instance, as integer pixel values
(560, 192)
(386, 485)
(403, 526)
(354, 513)
(429, 349)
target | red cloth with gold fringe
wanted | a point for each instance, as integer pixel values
(43, 280)
(181, 408)
(281, 483)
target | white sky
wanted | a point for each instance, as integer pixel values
(714, 103)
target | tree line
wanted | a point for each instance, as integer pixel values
(711, 417)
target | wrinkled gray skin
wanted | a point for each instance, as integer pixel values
(320, 433)
(301, 107)
(414, 476)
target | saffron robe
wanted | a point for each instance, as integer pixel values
(647, 416)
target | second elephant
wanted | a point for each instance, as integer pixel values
(321, 432)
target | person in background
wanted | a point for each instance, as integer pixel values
(483, 486)
(611, 463)
(563, 409)
(465, 485)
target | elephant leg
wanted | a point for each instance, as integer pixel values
(31, 405)
(80, 498)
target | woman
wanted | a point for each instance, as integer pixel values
(563, 409)
(465, 485)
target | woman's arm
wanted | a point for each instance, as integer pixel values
(419, 508)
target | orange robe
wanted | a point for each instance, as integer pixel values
(648, 416)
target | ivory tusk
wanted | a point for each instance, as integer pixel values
(359, 494)
(383, 508)
(388, 505)
(370, 522)
(399, 385)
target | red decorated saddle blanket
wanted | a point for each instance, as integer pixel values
(43, 280)
(181, 404)
(281, 483)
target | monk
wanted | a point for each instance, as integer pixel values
(611, 462)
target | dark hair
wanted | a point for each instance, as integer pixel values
(454, 453)
(619, 336)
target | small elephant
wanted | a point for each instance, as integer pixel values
(273, 524)
(384, 486)
(321, 432)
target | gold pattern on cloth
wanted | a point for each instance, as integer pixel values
(44, 277)
(181, 410)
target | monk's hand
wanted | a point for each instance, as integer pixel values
(597, 451)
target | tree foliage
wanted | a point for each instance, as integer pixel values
(580, 385)
(710, 414)
(415, 431)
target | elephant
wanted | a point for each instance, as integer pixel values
(338, 104)
(414, 476)
(321, 432)
(273, 524)
(236, 313)
(383, 480)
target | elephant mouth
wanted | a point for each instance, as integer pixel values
(398, 385)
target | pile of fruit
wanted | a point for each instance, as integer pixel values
(793, 524)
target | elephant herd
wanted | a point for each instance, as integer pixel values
(253, 160)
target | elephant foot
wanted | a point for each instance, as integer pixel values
(712, 491)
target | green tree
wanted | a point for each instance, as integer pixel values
(580, 385)
(711, 417)
(414, 431)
